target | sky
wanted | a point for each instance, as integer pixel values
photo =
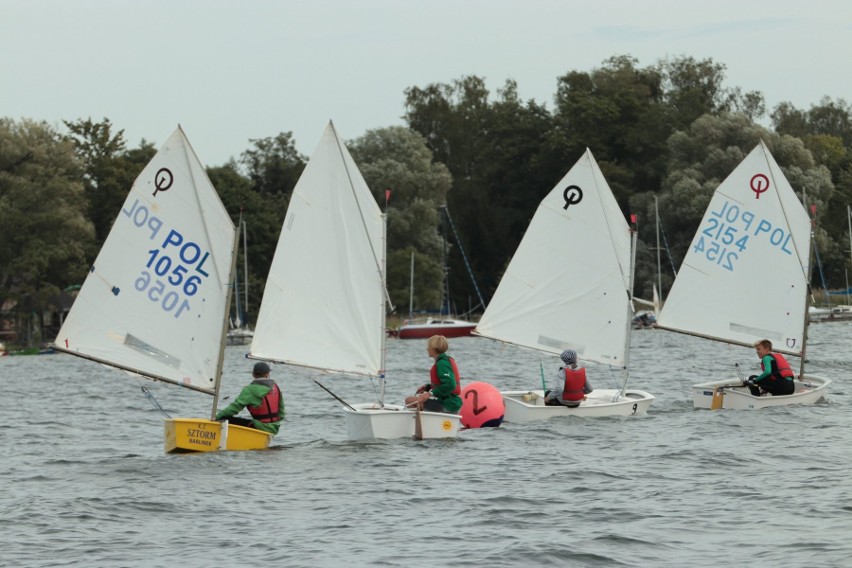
(229, 71)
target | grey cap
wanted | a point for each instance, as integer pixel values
(569, 356)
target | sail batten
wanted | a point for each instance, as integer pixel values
(744, 277)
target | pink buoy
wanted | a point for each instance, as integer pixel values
(482, 406)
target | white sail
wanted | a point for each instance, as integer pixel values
(744, 277)
(155, 300)
(324, 303)
(567, 284)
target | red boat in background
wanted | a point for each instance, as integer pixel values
(435, 326)
(444, 325)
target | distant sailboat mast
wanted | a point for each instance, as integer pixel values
(659, 267)
(245, 263)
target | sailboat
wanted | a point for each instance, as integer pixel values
(569, 285)
(155, 303)
(745, 278)
(324, 304)
(239, 333)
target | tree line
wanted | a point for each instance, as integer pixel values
(671, 130)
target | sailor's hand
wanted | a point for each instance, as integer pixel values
(424, 397)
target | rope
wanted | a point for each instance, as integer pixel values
(154, 401)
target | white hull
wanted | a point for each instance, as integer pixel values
(239, 336)
(737, 397)
(370, 421)
(524, 406)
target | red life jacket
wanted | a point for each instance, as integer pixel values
(782, 368)
(575, 380)
(433, 375)
(267, 410)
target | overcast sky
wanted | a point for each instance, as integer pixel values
(229, 71)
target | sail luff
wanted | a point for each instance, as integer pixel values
(190, 164)
(617, 227)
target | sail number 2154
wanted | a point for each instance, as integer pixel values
(722, 238)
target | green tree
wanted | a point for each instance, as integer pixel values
(397, 159)
(273, 165)
(618, 112)
(705, 154)
(109, 170)
(502, 159)
(826, 130)
(263, 215)
(44, 232)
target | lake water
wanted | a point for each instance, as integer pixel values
(86, 483)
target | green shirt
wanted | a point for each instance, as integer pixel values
(444, 391)
(252, 395)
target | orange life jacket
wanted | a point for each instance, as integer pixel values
(433, 376)
(267, 410)
(782, 368)
(575, 380)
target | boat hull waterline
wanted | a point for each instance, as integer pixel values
(737, 397)
(371, 421)
(526, 406)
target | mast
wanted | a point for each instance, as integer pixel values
(445, 261)
(659, 269)
(383, 304)
(245, 266)
(807, 298)
(629, 325)
(849, 219)
(411, 288)
(238, 321)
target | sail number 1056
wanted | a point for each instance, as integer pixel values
(181, 272)
(157, 293)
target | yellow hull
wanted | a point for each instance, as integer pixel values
(200, 435)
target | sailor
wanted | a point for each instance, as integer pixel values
(777, 376)
(441, 393)
(570, 386)
(263, 399)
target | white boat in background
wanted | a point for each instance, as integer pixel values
(324, 305)
(240, 336)
(570, 286)
(745, 278)
(155, 303)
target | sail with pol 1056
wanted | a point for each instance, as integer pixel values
(155, 301)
